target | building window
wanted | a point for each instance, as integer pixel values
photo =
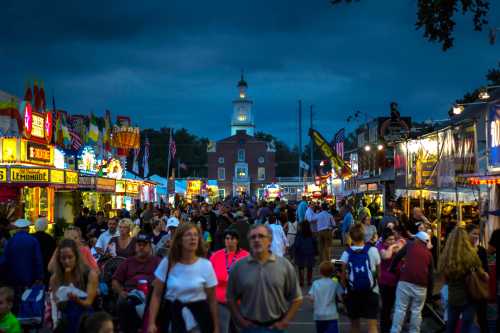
(221, 160)
(241, 170)
(221, 173)
(222, 193)
(261, 173)
(261, 159)
(260, 193)
(241, 155)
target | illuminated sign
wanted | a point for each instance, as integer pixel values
(39, 153)
(87, 161)
(57, 176)
(105, 184)
(18, 175)
(3, 174)
(194, 187)
(132, 187)
(372, 187)
(494, 136)
(9, 150)
(59, 162)
(86, 182)
(114, 169)
(72, 177)
(37, 126)
(120, 186)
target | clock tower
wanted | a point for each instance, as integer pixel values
(242, 119)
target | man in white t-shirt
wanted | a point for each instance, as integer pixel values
(103, 240)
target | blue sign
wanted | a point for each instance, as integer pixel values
(494, 136)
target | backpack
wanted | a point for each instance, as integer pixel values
(360, 277)
(31, 309)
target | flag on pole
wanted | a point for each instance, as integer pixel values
(338, 142)
(145, 158)
(171, 146)
(135, 164)
(76, 140)
(304, 165)
(93, 131)
(107, 131)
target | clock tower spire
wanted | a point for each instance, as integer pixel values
(242, 110)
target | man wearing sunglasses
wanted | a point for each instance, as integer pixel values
(263, 291)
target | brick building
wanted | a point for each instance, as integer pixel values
(241, 163)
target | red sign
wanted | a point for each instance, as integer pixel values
(37, 126)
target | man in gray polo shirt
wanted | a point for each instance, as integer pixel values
(265, 285)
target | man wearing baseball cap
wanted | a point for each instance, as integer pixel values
(126, 278)
(416, 280)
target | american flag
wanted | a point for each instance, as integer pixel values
(76, 141)
(145, 160)
(338, 141)
(171, 145)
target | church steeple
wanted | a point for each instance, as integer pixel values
(242, 110)
(242, 86)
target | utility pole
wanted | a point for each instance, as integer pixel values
(300, 134)
(311, 147)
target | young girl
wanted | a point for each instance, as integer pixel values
(323, 294)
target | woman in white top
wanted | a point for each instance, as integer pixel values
(191, 305)
(291, 227)
(280, 242)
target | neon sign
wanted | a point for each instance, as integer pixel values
(37, 126)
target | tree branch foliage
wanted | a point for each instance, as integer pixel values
(436, 17)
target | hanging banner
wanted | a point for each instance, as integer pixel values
(494, 137)
(338, 164)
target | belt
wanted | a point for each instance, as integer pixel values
(265, 323)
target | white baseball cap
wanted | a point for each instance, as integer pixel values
(423, 236)
(172, 222)
(22, 223)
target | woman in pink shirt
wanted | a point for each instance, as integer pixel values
(387, 280)
(223, 261)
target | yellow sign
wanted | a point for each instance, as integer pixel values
(72, 177)
(37, 153)
(18, 175)
(3, 174)
(37, 129)
(9, 150)
(120, 186)
(132, 187)
(57, 176)
(194, 187)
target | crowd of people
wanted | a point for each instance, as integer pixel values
(241, 266)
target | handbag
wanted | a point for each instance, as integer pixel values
(477, 284)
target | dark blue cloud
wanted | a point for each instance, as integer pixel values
(176, 63)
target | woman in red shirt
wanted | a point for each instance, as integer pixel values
(223, 261)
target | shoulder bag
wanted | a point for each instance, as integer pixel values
(477, 284)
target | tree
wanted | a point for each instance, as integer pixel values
(492, 78)
(437, 17)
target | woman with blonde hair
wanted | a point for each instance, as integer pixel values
(124, 244)
(458, 260)
(186, 280)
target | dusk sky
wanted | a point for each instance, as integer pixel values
(177, 63)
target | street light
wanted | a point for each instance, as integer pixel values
(483, 93)
(380, 147)
(458, 109)
(367, 148)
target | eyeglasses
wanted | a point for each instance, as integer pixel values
(258, 236)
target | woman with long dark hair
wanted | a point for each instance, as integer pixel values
(71, 271)
(186, 280)
(305, 249)
(223, 261)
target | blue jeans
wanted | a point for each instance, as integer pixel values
(261, 330)
(468, 311)
(327, 326)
